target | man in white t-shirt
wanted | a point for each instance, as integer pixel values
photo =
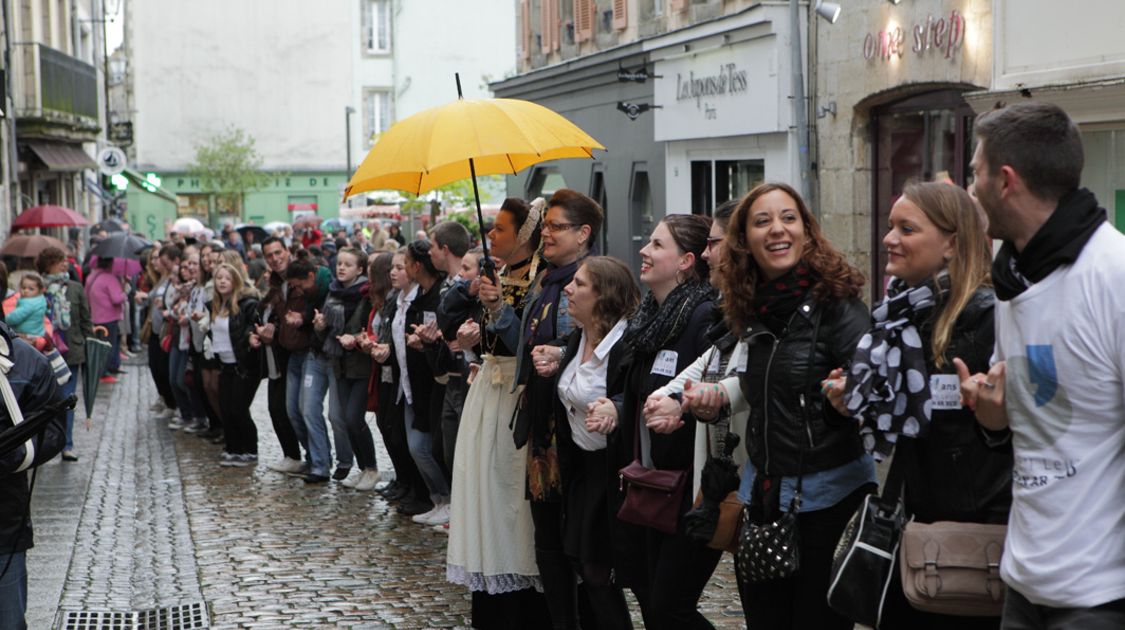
(1059, 378)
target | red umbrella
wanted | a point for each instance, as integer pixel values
(48, 216)
(29, 246)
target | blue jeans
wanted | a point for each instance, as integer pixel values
(13, 591)
(294, 376)
(114, 362)
(313, 388)
(421, 445)
(188, 402)
(347, 407)
(68, 389)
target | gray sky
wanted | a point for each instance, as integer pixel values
(115, 24)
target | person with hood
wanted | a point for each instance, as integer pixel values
(345, 315)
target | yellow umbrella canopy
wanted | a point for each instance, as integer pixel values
(433, 147)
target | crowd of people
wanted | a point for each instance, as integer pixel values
(526, 399)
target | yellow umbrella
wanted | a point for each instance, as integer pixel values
(434, 147)
(459, 140)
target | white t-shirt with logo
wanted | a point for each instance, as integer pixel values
(1064, 343)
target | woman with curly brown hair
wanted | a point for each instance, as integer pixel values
(794, 299)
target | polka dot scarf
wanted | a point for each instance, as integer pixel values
(888, 388)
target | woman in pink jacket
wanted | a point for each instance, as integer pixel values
(106, 296)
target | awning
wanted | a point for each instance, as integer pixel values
(62, 157)
(140, 182)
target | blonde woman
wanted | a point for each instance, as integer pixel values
(234, 310)
(939, 258)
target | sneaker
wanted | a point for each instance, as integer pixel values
(177, 423)
(443, 528)
(311, 478)
(107, 379)
(367, 480)
(303, 471)
(285, 465)
(425, 517)
(387, 488)
(352, 480)
(69, 456)
(165, 414)
(341, 473)
(157, 406)
(439, 515)
(198, 426)
(242, 460)
(227, 459)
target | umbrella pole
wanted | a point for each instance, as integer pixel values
(488, 266)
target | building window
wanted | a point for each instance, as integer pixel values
(713, 183)
(378, 113)
(377, 26)
(544, 181)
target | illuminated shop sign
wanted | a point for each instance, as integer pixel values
(945, 35)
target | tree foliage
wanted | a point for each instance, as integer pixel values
(228, 166)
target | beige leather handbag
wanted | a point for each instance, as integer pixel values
(953, 568)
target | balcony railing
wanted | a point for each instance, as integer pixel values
(55, 87)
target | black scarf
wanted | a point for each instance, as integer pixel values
(340, 305)
(1058, 242)
(776, 300)
(888, 386)
(654, 325)
(541, 324)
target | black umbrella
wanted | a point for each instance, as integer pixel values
(120, 245)
(258, 231)
(109, 225)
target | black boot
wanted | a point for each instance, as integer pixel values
(607, 602)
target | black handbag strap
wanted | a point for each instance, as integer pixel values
(893, 486)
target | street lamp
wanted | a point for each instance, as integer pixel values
(830, 10)
(348, 111)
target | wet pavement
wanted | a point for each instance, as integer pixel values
(148, 518)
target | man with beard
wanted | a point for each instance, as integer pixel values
(1058, 383)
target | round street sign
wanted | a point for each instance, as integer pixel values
(111, 161)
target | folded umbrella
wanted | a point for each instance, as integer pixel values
(718, 478)
(97, 355)
(120, 245)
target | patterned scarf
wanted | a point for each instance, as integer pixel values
(341, 303)
(654, 325)
(541, 326)
(776, 300)
(57, 301)
(888, 386)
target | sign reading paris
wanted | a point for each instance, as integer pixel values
(729, 80)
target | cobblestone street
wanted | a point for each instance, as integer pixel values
(149, 519)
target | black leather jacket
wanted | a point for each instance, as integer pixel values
(954, 475)
(788, 413)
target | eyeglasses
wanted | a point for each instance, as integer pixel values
(551, 227)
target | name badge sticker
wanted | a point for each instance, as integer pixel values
(945, 391)
(429, 317)
(387, 375)
(743, 358)
(713, 366)
(665, 363)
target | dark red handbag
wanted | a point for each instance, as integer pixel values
(653, 497)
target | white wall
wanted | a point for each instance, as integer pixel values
(281, 70)
(433, 40)
(772, 148)
(1044, 42)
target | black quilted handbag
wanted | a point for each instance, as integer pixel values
(770, 551)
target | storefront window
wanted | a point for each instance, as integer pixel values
(716, 182)
(923, 138)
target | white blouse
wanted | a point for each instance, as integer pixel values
(398, 333)
(582, 383)
(220, 340)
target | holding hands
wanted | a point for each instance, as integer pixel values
(601, 416)
(319, 322)
(704, 401)
(294, 318)
(380, 352)
(833, 389)
(546, 359)
(984, 394)
(468, 335)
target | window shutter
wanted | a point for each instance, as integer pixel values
(525, 30)
(584, 19)
(620, 18)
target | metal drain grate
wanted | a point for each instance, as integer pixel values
(192, 616)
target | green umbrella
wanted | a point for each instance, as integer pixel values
(97, 354)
